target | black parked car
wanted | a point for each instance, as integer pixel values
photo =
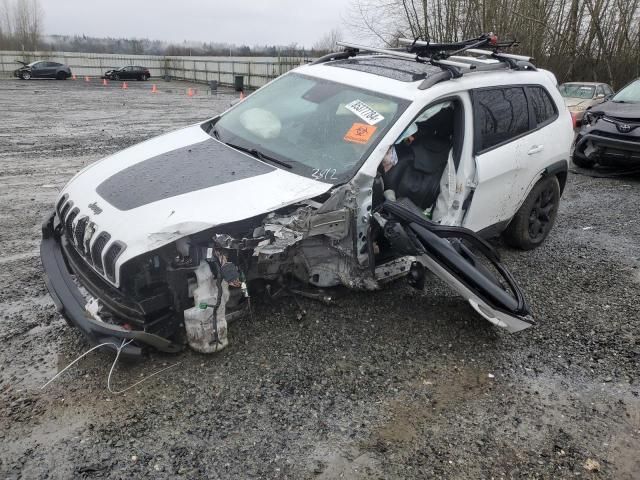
(128, 73)
(42, 69)
(610, 133)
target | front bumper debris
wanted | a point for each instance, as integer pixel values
(71, 303)
(608, 146)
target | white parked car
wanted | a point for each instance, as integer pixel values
(352, 171)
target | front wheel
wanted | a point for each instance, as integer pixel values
(531, 225)
(25, 75)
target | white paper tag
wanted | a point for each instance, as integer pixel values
(364, 111)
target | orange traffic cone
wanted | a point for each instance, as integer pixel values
(124, 85)
(190, 92)
(86, 79)
(73, 77)
(154, 89)
(104, 82)
(241, 94)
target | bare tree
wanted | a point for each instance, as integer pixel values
(577, 39)
(6, 33)
(328, 41)
(27, 23)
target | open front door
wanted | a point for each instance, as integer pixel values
(477, 275)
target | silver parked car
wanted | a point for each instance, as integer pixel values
(578, 96)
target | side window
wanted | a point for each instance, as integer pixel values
(500, 115)
(541, 104)
(608, 90)
(599, 91)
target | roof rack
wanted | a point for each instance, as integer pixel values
(447, 56)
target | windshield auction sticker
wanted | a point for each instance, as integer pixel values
(364, 111)
(360, 133)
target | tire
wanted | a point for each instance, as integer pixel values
(61, 76)
(25, 75)
(116, 77)
(533, 222)
(582, 162)
(140, 78)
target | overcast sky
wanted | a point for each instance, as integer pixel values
(252, 22)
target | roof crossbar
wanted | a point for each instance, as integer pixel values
(498, 55)
(447, 56)
(449, 65)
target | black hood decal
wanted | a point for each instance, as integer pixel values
(202, 165)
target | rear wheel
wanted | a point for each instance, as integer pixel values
(532, 223)
(61, 76)
(25, 75)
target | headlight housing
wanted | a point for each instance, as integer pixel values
(589, 118)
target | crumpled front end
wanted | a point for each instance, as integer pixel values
(186, 292)
(609, 140)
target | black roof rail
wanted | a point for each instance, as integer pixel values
(330, 57)
(447, 56)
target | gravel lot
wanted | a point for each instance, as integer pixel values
(394, 384)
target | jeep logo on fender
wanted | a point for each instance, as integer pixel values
(95, 208)
(623, 127)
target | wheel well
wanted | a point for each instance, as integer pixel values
(559, 169)
(562, 179)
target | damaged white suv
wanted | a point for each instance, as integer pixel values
(351, 171)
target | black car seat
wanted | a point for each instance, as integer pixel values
(421, 163)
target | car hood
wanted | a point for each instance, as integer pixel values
(178, 184)
(626, 111)
(577, 102)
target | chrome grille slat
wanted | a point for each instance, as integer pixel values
(65, 210)
(97, 248)
(68, 224)
(110, 259)
(81, 226)
(88, 240)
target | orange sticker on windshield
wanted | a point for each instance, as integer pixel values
(360, 133)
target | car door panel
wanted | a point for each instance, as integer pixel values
(477, 275)
(38, 70)
(501, 128)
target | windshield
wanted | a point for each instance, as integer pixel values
(576, 90)
(322, 129)
(629, 94)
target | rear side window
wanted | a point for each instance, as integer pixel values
(501, 115)
(542, 105)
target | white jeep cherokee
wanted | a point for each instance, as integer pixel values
(354, 170)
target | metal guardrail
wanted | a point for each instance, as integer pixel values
(256, 70)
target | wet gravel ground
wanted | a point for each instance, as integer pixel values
(393, 384)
